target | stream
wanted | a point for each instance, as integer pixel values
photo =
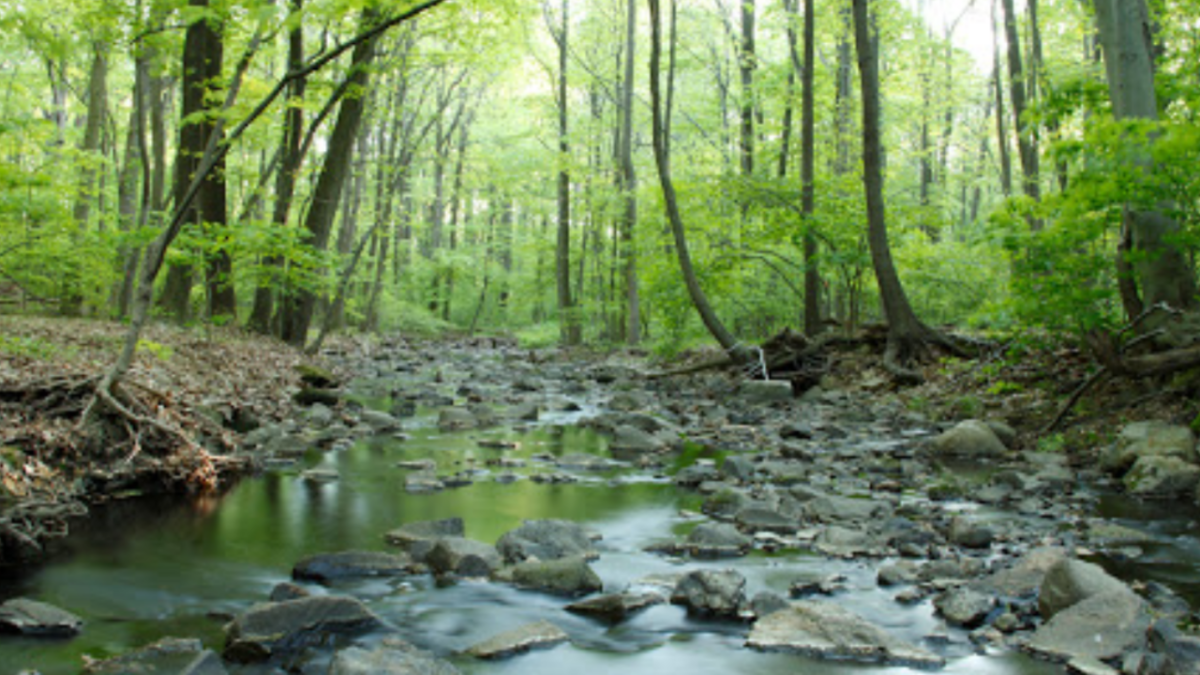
(145, 568)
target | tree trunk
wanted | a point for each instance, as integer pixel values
(812, 273)
(628, 183)
(334, 172)
(96, 113)
(285, 179)
(662, 156)
(568, 321)
(1163, 270)
(1001, 125)
(907, 336)
(202, 60)
(746, 65)
(1026, 133)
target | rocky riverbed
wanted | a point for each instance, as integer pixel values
(833, 527)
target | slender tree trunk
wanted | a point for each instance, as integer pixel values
(334, 173)
(569, 322)
(96, 115)
(662, 155)
(746, 66)
(1164, 272)
(285, 178)
(1027, 145)
(628, 183)
(1001, 125)
(812, 273)
(907, 336)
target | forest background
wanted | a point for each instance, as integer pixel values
(507, 167)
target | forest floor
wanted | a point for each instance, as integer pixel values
(207, 382)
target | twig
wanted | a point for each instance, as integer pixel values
(1092, 380)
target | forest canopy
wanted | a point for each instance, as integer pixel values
(510, 167)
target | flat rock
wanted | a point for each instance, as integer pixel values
(392, 657)
(380, 422)
(1101, 627)
(631, 441)
(1023, 579)
(417, 538)
(833, 508)
(539, 635)
(840, 542)
(423, 482)
(168, 656)
(31, 617)
(616, 607)
(758, 392)
(456, 419)
(326, 567)
(827, 631)
(270, 629)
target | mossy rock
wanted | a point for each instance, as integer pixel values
(316, 376)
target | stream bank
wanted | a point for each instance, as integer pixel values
(717, 503)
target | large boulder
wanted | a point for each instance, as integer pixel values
(31, 617)
(545, 540)
(1153, 438)
(1162, 477)
(326, 567)
(1071, 581)
(971, 439)
(276, 628)
(1023, 579)
(392, 657)
(539, 635)
(826, 630)
(1101, 627)
(563, 576)
(719, 593)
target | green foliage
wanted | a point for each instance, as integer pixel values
(1054, 443)
(160, 351)
(32, 348)
(539, 335)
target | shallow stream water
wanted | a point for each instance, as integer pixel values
(144, 569)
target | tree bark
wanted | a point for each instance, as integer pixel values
(1027, 146)
(812, 273)
(330, 183)
(662, 156)
(285, 178)
(1163, 270)
(907, 336)
(627, 183)
(571, 332)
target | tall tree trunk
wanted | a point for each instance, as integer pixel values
(97, 111)
(330, 183)
(1027, 145)
(746, 66)
(568, 321)
(662, 156)
(1164, 272)
(1001, 124)
(628, 183)
(285, 178)
(812, 273)
(907, 336)
(202, 59)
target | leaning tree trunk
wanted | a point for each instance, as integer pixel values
(908, 338)
(662, 153)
